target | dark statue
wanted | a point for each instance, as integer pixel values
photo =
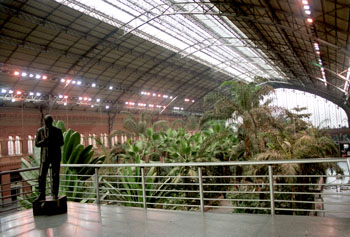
(50, 140)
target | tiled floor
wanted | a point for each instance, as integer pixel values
(90, 220)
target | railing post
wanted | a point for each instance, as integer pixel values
(97, 187)
(143, 188)
(348, 163)
(201, 196)
(272, 197)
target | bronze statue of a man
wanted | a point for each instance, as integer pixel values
(50, 139)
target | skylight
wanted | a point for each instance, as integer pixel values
(194, 30)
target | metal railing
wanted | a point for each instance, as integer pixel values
(208, 186)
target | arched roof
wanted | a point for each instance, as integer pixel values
(115, 63)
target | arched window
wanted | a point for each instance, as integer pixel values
(90, 139)
(82, 139)
(11, 149)
(94, 140)
(30, 145)
(18, 148)
(102, 139)
(105, 139)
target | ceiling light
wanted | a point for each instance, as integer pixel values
(154, 94)
(110, 87)
(3, 91)
(66, 96)
(107, 106)
(78, 83)
(31, 75)
(38, 94)
(44, 77)
(93, 85)
(305, 2)
(16, 73)
(89, 99)
(182, 108)
(85, 98)
(309, 20)
(307, 7)
(65, 103)
(150, 105)
(18, 92)
(80, 98)
(192, 101)
(68, 81)
(143, 93)
(187, 100)
(159, 95)
(165, 96)
(98, 100)
(171, 97)
(37, 76)
(73, 82)
(92, 106)
(24, 74)
(63, 80)
(307, 12)
(31, 93)
(126, 103)
(10, 91)
(13, 100)
(60, 96)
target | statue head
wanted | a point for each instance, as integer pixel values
(48, 120)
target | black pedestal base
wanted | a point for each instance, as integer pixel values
(50, 206)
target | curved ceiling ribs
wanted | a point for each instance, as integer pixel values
(66, 38)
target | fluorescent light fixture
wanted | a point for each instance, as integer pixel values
(80, 98)
(3, 91)
(31, 75)
(107, 106)
(92, 106)
(24, 74)
(18, 92)
(154, 94)
(31, 93)
(44, 77)
(10, 91)
(307, 12)
(93, 85)
(309, 20)
(171, 97)
(16, 73)
(78, 83)
(37, 76)
(60, 96)
(165, 96)
(66, 96)
(98, 100)
(63, 80)
(73, 82)
(192, 101)
(13, 100)
(307, 7)
(89, 99)
(305, 2)
(65, 103)
(126, 102)
(38, 94)
(110, 87)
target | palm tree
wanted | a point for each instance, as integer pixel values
(242, 104)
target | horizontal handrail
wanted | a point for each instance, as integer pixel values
(193, 164)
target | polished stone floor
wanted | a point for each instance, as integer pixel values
(91, 220)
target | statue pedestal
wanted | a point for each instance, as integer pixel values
(50, 206)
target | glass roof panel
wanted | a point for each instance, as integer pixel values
(192, 29)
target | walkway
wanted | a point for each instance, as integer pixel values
(91, 220)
